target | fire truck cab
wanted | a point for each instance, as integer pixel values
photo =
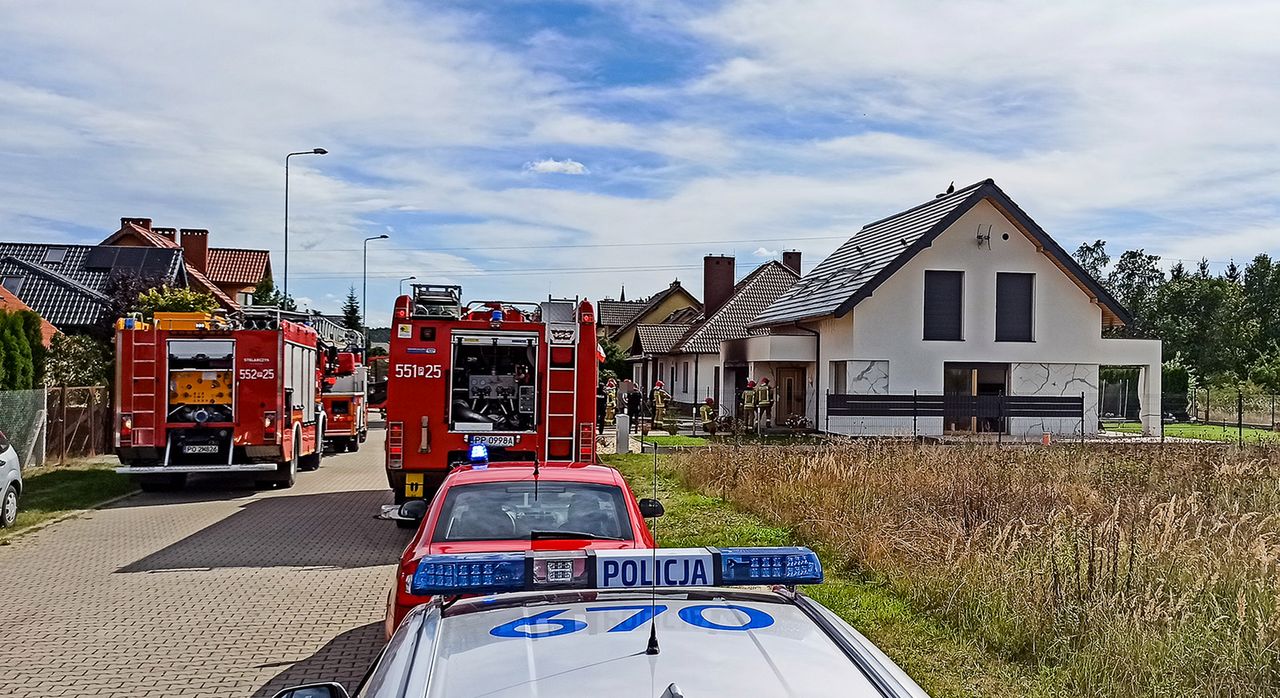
(517, 377)
(199, 393)
(344, 400)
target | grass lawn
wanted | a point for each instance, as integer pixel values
(941, 661)
(52, 491)
(1206, 432)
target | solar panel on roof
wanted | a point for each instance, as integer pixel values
(101, 258)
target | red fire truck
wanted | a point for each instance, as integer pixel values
(518, 377)
(198, 393)
(343, 397)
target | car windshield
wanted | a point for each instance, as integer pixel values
(515, 510)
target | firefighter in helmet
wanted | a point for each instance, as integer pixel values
(707, 415)
(659, 397)
(610, 401)
(749, 404)
(764, 401)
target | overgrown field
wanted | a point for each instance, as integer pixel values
(1122, 571)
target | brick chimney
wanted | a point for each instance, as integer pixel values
(169, 233)
(791, 260)
(717, 282)
(195, 248)
(144, 223)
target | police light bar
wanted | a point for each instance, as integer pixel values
(492, 573)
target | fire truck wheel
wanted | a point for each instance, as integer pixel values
(353, 445)
(287, 472)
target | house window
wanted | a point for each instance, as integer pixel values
(12, 284)
(839, 377)
(1015, 307)
(684, 377)
(944, 305)
(715, 384)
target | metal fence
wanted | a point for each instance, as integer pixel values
(958, 413)
(24, 419)
(79, 423)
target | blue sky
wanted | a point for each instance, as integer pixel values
(529, 148)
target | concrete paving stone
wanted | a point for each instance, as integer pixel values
(219, 589)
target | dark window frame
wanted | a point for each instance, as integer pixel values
(1023, 327)
(939, 334)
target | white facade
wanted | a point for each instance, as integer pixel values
(878, 348)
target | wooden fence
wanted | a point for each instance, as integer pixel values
(79, 423)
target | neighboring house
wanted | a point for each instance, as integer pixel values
(612, 315)
(13, 304)
(230, 274)
(70, 285)
(691, 367)
(656, 309)
(961, 311)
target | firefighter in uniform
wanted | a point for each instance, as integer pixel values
(707, 415)
(764, 402)
(749, 405)
(610, 401)
(659, 398)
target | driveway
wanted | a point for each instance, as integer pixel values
(216, 590)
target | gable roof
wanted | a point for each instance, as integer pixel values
(859, 266)
(611, 313)
(230, 265)
(128, 227)
(74, 291)
(750, 296)
(654, 301)
(657, 339)
(200, 282)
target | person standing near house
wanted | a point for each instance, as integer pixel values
(707, 415)
(610, 402)
(659, 398)
(749, 405)
(764, 403)
(602, 406)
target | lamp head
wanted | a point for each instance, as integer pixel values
(320, 151)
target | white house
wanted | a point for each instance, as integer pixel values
(960, 314)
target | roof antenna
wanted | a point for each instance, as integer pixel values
(652, 649)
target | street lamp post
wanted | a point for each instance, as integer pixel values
(364, 288)
(313, 151)
(407, 278)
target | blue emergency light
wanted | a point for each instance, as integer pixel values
(479, 455)
(491, 573)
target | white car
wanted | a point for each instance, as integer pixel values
(10, 482)
(663, 623)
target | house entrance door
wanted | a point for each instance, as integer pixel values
(791, 394)
(972, 397)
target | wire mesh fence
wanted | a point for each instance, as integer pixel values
(24, 419)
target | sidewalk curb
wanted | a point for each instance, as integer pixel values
(8, 540)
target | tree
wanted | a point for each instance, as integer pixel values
(615, 360)
(1261, 289)
(15, 354)
(1135, 280)
(34, 331)
(1200, 318)
(266, 295)
(77, 360)
(169, 299)
(351, 311)
(123, 291)
(1094, 258)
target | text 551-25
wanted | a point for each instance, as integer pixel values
(416, 371)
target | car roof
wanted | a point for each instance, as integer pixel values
(507, 472)
(712, 642)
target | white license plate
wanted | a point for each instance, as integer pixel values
(200, 448)
(671, 567)
(495, 440)
(559, 571)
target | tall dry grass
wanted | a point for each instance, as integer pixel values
(1126, 571)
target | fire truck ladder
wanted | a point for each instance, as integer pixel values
(144, 396)
(560, 317)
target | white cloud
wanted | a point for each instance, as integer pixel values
(765, 253)
(554, 166)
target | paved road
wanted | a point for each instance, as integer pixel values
(216, 590)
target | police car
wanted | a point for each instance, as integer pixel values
(661, 623)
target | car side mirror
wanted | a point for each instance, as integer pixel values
(651, 508)
(413, 510)
(314, 690)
